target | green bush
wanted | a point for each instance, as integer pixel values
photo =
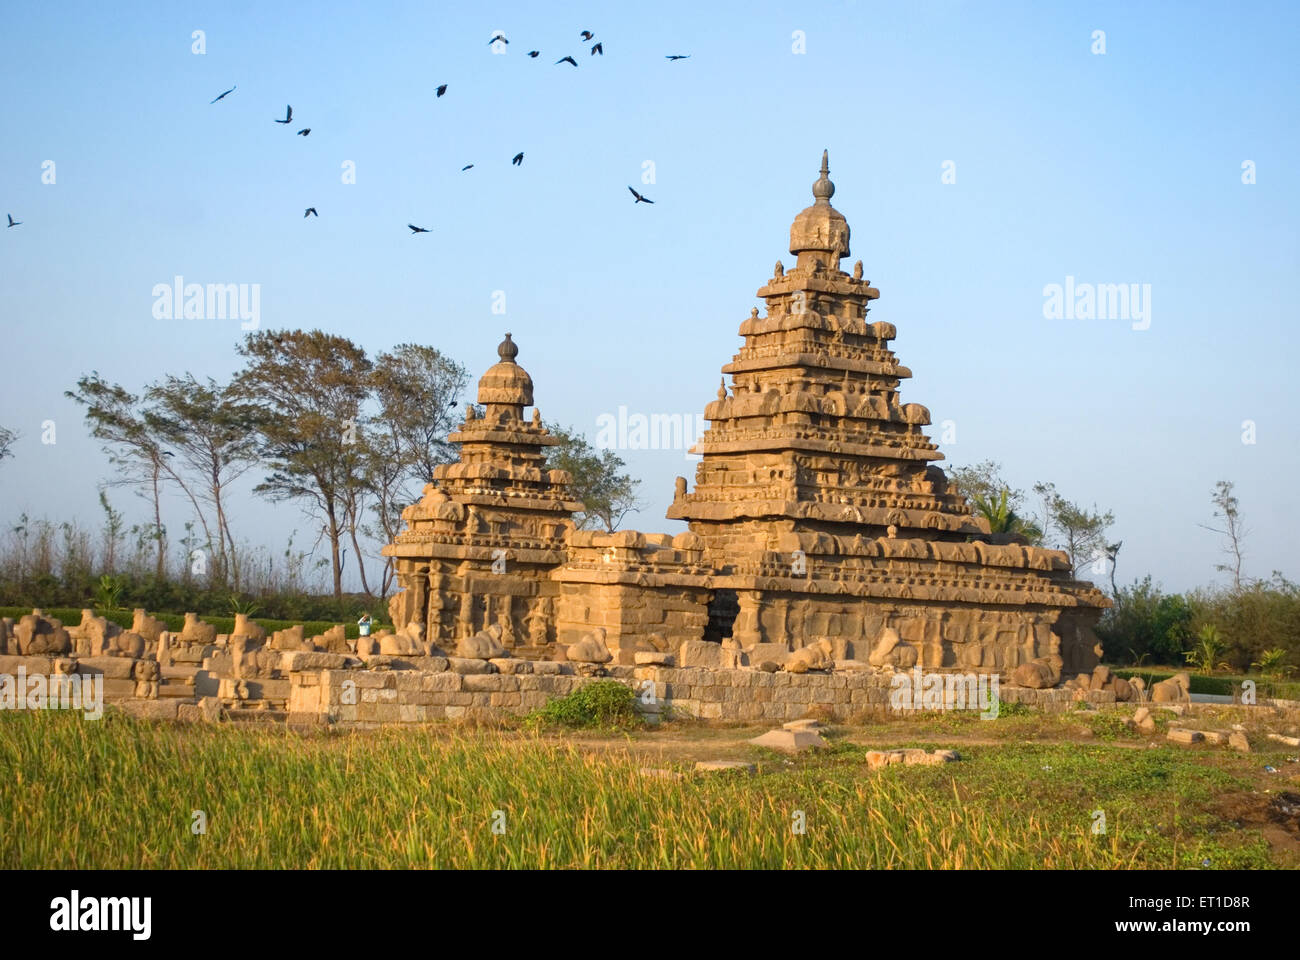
(605, 703)
(1146, 624)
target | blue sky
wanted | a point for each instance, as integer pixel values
(1123, 167)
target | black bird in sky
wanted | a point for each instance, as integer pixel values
(639, 198)
(221, 96)
(496, 37)
(587, 34)
(518, 158)
(466, 167)
(534, 53)
(304, 131)
(442, 89)
(678, 56)
(598, 48)
(15, 223)
(288, 115)
(415, 229)
(309, 212)
(566, 60)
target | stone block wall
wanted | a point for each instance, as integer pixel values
(352, 699)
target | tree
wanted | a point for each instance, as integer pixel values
(1002, 519)
(607, 495)
(1146, 622)
(1081, 533)
(309, 388)
(417, 390)
(131, 445)
(1226, 510)
(214, 435)
(984, 481)
(7, 440)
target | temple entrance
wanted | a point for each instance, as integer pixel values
(723, 610)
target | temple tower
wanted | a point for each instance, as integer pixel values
(481, 542)
(812, 435)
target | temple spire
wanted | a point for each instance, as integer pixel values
(823, 189)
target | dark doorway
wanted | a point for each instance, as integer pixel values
(723, 610)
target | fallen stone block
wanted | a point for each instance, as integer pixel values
(660, 773)
(1289, 741)
(653, 658)
(910, 757)
(790, 741)
(467, 665)
(777, 653)
(1180, 735)
(807, 723)
(715, 766)
(702, 653)
(297, 660)
(1237, 740)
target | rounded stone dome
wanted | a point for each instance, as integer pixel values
(506, 382)
(821, 228)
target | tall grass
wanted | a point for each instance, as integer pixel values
(122, 793)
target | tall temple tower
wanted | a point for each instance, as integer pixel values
(813, 436)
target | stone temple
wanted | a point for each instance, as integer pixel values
(817, 519)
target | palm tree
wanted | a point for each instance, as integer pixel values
(1003, 519)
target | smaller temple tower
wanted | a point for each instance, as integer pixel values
(481, 542)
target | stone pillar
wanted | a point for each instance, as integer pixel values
(748, 630)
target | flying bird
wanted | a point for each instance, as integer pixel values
(222, 96)
(15, 223)
(288, 115)
(678, 56)
(309, 212)
(598, 48)
(566, 60)
(534, 53)
(496, 37)
(415, 229)
(518, 158)
(304, 131)
(442, 89)
(639, 198)
(587, 34)
(466, 167)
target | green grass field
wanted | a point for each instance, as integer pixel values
(121, 793)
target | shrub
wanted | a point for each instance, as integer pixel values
(604, 703)
(1146, 623)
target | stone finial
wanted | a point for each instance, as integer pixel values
(857, 270)
(780, 269)
(722, 389)
(508, 350)
(823, 189)
(753, 313)
(537, 417)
